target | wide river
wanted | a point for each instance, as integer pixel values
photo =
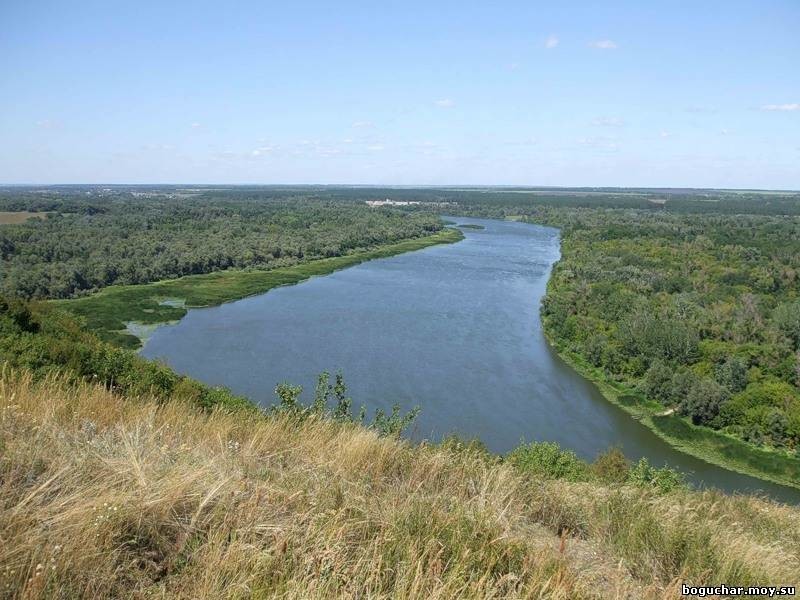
(453, 329)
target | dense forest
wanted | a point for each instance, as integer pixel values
(122, 236)
(700, 314)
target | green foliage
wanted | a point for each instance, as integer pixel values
(703, 402)
(455, 443)
(130, 237)
(335, 396)
(658, 382)
(663, 480)
(548, 459)
(395, 423)
(289, 399)
(611, 466)
(732, 374)
(45, 340)
(693, 306)
(774, 465)
(658, 338)
(787, 320)
(343, 410)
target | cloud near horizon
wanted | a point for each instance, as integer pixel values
(551, 42)
(781, 107)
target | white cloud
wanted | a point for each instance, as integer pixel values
(665, 134)
(363, 124)
(445, 103)
(781, 107)
(608, 122)
(551, 42)
(604, 45)
(196, 125)
(375, 148)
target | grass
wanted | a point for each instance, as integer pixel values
(108, 311)
(16, 217)
(103, 496)
(470, 226)
(706, 444)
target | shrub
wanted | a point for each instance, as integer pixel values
(455, 443)
(548, 459)
(392, 424)
(663, 480)
(611, 466)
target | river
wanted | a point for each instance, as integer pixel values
(454, 329)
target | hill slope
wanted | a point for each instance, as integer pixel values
(106, 496)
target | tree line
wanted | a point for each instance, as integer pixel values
(89, 242)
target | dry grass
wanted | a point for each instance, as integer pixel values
(16, 217)
(107, 497)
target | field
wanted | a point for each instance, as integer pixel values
(16, 217)
(104, 496)
(108, 311)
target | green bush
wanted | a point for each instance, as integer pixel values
(664, 480)
(611, 466)
(548, 459)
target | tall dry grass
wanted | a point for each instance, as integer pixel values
(102, 496)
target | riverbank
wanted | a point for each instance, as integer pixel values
(706, 444)
(109, 312)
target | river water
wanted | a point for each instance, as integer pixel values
(453, 329)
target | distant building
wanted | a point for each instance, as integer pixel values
(388, 202)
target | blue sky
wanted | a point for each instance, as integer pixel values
(662, 93)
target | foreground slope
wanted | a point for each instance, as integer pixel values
(105, 496)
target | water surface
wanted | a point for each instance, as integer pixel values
(454, 329)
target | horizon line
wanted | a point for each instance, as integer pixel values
(408, 186)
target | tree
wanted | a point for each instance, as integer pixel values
(732, 373)
(777, 427)
(704, 401)
(787, 318)
(658, 382)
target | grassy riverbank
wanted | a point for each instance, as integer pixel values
(108, 311)
(706, 444)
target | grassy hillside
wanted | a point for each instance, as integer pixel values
(104, 496)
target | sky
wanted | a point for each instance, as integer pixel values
(661, 93)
